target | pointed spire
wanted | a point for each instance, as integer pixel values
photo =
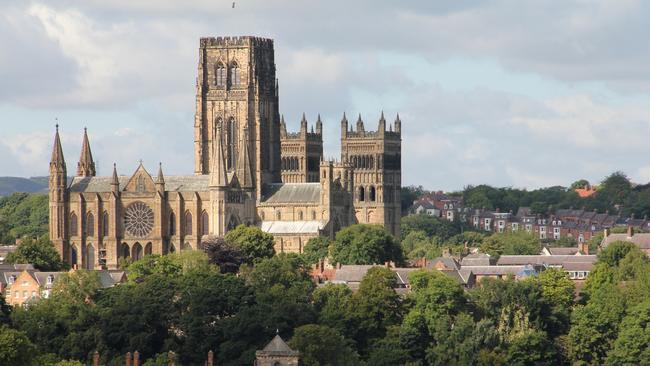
(86, 165)
(360, 127)
(218, 174)
(161, 177)
(303, 123)
(344, 126)
(115, 182)
(382, 123)
(57, 151)
(245, 163)
(344, 118)
(398, 124)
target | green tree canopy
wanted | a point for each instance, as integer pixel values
(23, 215)
(15, 347)
(322, 346)
(511, 243)
(40, 253)
(252, 242)
(432, 226)
(632, 347)
(365, 244)
(316, 249)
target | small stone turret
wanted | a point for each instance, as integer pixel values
(86, 165)
(58, 184)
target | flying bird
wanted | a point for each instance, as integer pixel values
(233, 4)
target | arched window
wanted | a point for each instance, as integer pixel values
(313, 215)
(172, 224)
(220, 74)
(147, 249)
(73, 255)
(362, 194)
(90, 256)
(124, 250)
(136, 252)
(278, 215)
(90, 225)
(231, 137)
(371, 194)
(105, 224)
(262, 215)
(300, 218)
(234, 74)
(188, 223)
(74, 226)
(205, 224)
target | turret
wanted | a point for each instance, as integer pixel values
(58, 170)
(319, 126)
(160, 181)
(115, 181)
(360, 127)
(381, 128)
(398, 124)
(344, 126)
(283, 127)
(303, 125)
(86, 165)
(57, 196)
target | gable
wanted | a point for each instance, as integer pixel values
(140, 182)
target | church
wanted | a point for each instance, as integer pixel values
(247, 170)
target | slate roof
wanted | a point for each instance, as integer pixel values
(563, 250)
(189, 183)
(491, 270)
(292, 227)
(642, 240)
(278, 347)
(478, 259)
(547, 260)
(448, 262)
(291, 193)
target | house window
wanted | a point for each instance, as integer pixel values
(50, 279)
(12, 278)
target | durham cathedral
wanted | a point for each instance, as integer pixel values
(247, 170)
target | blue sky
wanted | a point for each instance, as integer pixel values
(508, 93)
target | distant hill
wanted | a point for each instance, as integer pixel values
(9, 185)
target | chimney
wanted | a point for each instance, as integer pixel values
(210, 359)
(136, 358)
(424, 262)
(127, 362)
(583, 248)
(630, 231)
(606, 232)
(172, 358)
(96, 358)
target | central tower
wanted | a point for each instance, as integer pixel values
(237, 102)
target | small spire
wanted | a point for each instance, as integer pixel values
(304, 119)
(86, 165)
(397, 118)
(161, 177)
(282, 119)
(359, 119)
(318, 119)
(115, 182)
(344, 119)
(382, 116)
(57, 150)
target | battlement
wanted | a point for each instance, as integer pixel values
(237, 41)
(316, 133)
(348, 131)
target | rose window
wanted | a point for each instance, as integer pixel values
(138, 220)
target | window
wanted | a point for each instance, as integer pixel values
(172, 224)
(278, 216)
(300, 218)
(362, 194)
(50, 279)
(12, 278)
(313, 215)
(188, 223)
(371, 194)
(105, 224)
(90, 225)
(205, 224)
(231, 137)
(234, 74)
(73, 225)
(220, 74)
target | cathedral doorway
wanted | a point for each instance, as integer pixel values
(73, 256)
(136, 252)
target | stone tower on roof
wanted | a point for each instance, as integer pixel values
(302, 152)
(277, 353)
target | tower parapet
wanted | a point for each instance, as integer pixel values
(302, 152)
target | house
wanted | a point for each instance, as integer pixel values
(641, 240)
(5, 250)
(577, 266)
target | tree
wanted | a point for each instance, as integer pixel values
(435, 293)
(374, 308)
(533, 348)
(23, 215)
(316, 249)
(614, 189)
(40, 253)
(432, 226)
(15, 347)
(331, 304)
(224, 255)
(76, 287)
(322, 346)
(516, 243)
(365, 244)
(632, 347)
(557, 287)
(173, 264)
(252, 242)
(615, 252)
(566, 241)
(5, 311)
(408, 195)
(579, 184)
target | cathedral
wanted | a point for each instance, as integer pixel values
(247, 170)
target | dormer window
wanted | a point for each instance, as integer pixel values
(12, 279)
(50, 279)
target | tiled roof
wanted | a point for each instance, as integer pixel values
(642, 240)
(292, 227)
(548, 260)
(278, 347)
(491, 270)
(189, 183)
(291, 193)
(450, 263)
(478, 259)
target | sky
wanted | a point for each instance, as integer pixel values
(514, 93)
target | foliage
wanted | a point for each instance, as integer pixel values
(15, 347)
(632, 347)
(409, 194)
(557, 287)
(173, 264)
(316, 249)
(252, 242)
(511, 243)
(40, 253)
(224, 255)
(23, 215)
(615, 252)
(432, 226)
(365, 244)
(321, 345)
(331, 303)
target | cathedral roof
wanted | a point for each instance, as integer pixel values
(292, 193)
(292, 227)
(190, 183)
